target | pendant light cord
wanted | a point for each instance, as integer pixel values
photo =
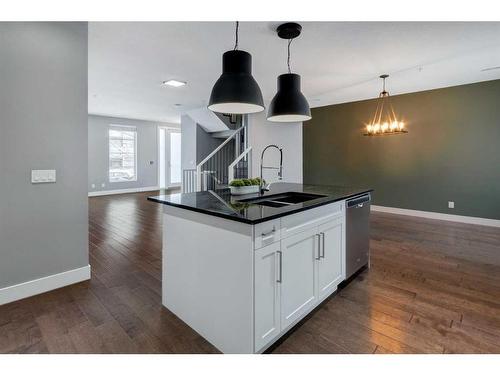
(236, 38)
(288, 57)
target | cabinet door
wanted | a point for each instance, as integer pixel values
(267, 294)
(331, 263)
(299, 282)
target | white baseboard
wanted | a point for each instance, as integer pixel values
(122, 191)
(438, 216)
(44, 284)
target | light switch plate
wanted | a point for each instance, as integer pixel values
(451, 204)
(43, 176)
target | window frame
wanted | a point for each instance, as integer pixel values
(122, 128)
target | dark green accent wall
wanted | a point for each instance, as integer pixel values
(451, 153)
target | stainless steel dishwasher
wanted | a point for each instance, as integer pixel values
(357, 233)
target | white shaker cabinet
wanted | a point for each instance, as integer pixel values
(331, 268)
(298, 284)
(294, 274)
(267, 294)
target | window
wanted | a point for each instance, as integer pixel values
(122, 153)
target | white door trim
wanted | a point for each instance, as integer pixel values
(168, 130)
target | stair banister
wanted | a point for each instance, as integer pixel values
(200, 165)
(230, 171)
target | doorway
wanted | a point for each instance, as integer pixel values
(169, 157)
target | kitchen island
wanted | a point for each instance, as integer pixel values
(243, 270)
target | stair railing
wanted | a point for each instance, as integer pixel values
(199, 168)
(188, 180)
(248, 154)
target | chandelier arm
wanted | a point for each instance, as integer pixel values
(381, 110)
(393, 113)
(376, 115)
(374, 121)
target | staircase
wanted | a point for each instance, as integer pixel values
(230, 160)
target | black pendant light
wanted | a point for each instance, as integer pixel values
(236, 91)
(289, 104)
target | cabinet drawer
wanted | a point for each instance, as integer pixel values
(267, 233)
(305, 220)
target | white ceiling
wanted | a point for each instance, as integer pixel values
(338, 61)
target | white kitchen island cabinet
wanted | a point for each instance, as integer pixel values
(243, 271)
(243, 286)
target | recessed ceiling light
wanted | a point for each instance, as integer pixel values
(174, 83)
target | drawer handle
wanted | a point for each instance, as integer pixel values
(271, 232)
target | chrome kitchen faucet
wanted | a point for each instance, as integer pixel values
(264, 187)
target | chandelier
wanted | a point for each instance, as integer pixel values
(385, 122)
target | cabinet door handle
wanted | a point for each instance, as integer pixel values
(269, 233)
(323, 245)
(280, 263)
(319, 247)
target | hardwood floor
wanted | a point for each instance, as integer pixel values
(434, 287)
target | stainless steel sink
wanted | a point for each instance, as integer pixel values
(283, 199)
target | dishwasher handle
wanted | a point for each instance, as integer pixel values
(358, 202)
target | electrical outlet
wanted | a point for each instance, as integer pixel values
(93, 186)
(103, 184)
(451, 204)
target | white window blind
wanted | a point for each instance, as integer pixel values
(122, 153)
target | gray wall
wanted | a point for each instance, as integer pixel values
(43, 125)
(196, 143)
(451, 153)
(188, 142)
(261, 134)
(147, 151)
(205, 143)
(285, 135)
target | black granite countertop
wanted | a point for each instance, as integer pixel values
(222, 204)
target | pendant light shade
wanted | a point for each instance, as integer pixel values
(236, 91)
(289, 104)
